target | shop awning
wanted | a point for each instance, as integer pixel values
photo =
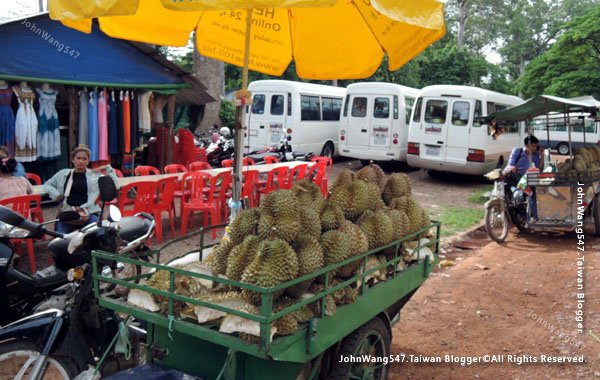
(38, 49)
(540, 105)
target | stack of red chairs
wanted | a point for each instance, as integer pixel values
(187, 152)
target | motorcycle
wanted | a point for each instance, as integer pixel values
(69, 332)
(506, 205)
(218, 151)
(283, 153)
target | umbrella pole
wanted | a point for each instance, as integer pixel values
(240, 117)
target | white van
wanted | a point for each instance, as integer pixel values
(374, 123)
(307, 114)
(556, 136)
(446, 132)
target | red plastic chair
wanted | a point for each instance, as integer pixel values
(165, 189)
(271, 160)
(200, 200)
(249, 188)
(119, 173)
(175, 168)
(276, 180)
(297, 173)
(223, 183)
(143, 192)
(318, 173)
(22, 205)
(36, 209)
(145, 170)
(328, 162)
(246, 161)
(199, 165)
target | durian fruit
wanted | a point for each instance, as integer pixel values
(397, 185)
(344, 179)
(310, 259)
(184, 285)
(357, 198)
(217, 259)
(304, 314)
(347, 294)
(330, 306)
(359, 243)
(308, 194)
(279, 216)
(275, 263)
(241, 256)
(336, 247)
(332, 216)
(310, 221)
(288, 324)
(400, 222)
(245, 223)
(378, 228)
(372, 173)
(579, 164)
(412, 209)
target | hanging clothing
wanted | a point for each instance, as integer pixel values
(127, 122)
(103, 126)
(120, 111)
(145, 121)
(48, 137)
(26, 126)
(82, 127)
(7, 121)
(93, 125)
(113, 142)
(134, 121)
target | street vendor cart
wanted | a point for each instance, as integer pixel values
(561, 196)
(324, 346)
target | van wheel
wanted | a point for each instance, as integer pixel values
(328, 150)
(563, 148)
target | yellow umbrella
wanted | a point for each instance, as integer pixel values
(327, 39)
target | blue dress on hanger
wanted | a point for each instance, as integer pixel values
(93, 125)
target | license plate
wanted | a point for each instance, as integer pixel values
(380, 141)
(432, 150)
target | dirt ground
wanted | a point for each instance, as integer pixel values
(517, 301)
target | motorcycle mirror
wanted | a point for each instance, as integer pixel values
(114, 214)
(108, 189)
(68, 216)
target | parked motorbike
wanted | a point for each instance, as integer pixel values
(221, 149)
(506, 205)
(69, 332)
(283, 153)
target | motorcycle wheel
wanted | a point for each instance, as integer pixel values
(496, 223)
(18, 358)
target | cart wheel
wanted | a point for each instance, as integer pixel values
(563, 148)
(373, 338)
(596, 214)
(496, 223)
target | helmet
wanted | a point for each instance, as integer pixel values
(225, 131)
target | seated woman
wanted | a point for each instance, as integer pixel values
(77, 188)
(10, 185)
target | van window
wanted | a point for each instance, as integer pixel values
(590, 126)
(477, 114)
(346, 100)
(435, 111)
(359, 107)
(396, 107)
(310, 108)
(258, 104)
(408, 105)
(289, 104)
(381, 109)
(277, 104)
(460, 113)
(331, 108)
(417, 115)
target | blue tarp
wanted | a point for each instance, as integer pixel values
(39, 49)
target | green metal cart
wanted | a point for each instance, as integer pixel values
(324, 347)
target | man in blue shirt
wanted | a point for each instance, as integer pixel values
(518, 163)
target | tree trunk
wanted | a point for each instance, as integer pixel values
(462, 21)
(211, 73)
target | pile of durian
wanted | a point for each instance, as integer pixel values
(585, 161)
(297, 232)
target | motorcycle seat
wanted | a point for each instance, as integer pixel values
(132, 227)
(260, 157)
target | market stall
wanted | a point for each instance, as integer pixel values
(60, 88)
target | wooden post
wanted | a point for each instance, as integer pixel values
(169, 124)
